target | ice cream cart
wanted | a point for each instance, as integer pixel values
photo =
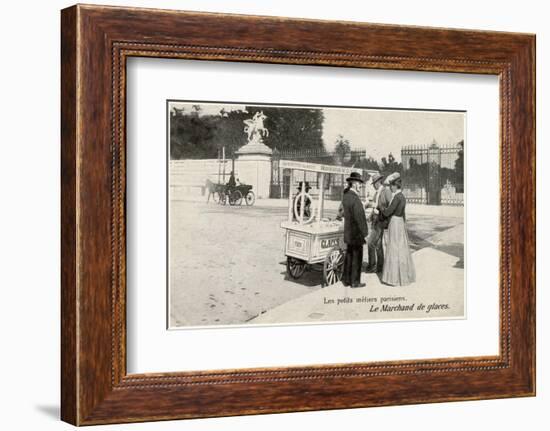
(311, 240)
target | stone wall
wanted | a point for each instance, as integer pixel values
(188, 177)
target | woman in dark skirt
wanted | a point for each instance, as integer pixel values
(398, 264)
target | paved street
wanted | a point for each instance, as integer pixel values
(438, 286)
(227, 264)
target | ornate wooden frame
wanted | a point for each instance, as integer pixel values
(95, 42)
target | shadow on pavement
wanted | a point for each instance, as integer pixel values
(312, 276)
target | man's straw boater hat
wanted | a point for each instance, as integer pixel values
(355, 176)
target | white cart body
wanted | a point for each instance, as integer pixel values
(316, 240)
(312, 243)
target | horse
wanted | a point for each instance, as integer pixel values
(255, 126)
(211, 187)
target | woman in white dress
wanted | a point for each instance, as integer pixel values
(398, 264)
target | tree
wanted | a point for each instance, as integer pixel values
(194, 135)
(342, 150)
(416, 173)
(291, 128)
(190, 137)
(368, 163)
(389, 165)
(229, 131)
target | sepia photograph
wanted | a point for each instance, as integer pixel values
(301, 214)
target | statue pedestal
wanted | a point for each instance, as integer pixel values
(253, 167)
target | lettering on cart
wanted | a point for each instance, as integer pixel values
(329, 243)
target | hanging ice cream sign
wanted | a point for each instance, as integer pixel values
(315, 167)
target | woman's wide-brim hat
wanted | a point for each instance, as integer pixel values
(376, 177)
(392, 178)
(355, 176)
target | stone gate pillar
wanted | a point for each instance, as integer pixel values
(253, 167)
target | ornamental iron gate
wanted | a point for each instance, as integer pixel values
(433, 175)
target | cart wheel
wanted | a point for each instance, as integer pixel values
(221, 198)
(250, 198)
(235, 198)
(295, 267)
(333, 266)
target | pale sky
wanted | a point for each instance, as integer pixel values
(383, 131)
(378, 131)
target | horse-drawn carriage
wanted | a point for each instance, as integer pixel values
(233, 193)
(312, 241)
(224, 194)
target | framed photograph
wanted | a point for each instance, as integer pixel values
(264, 215)
(276, 208)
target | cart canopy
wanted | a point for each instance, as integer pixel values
(315, 167)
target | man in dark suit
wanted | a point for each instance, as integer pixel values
(381, 201)
(355, 231)
(307, 200)
(232, 183)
